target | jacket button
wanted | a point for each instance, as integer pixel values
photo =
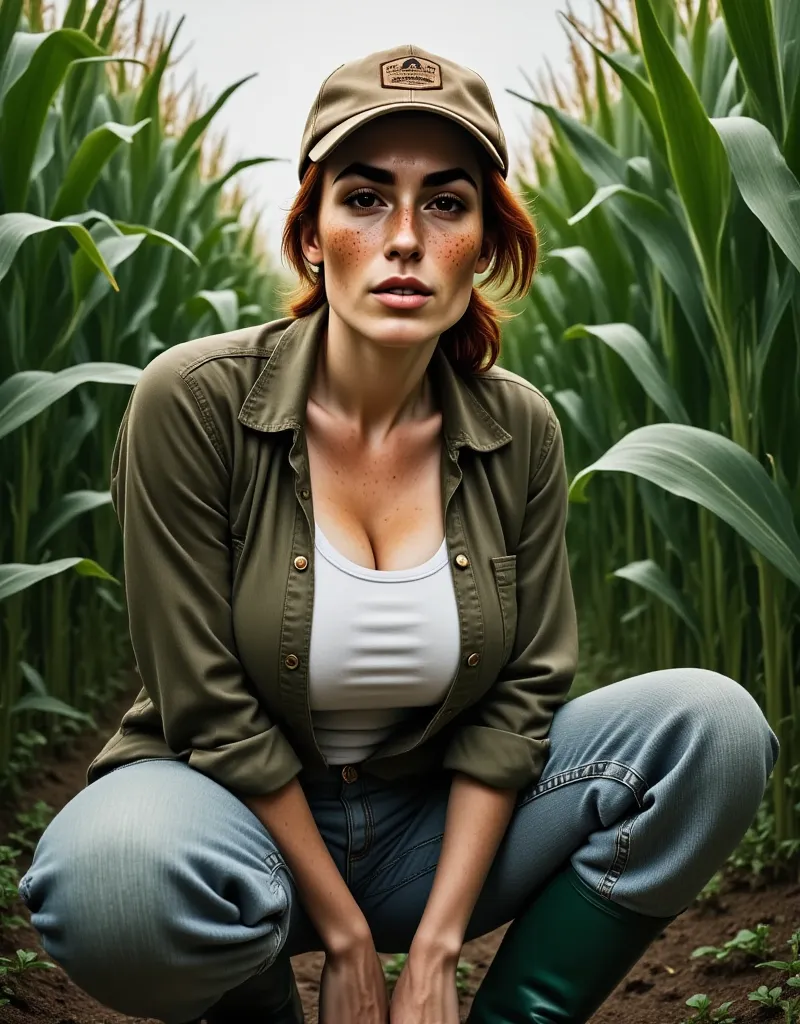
(300, 563)
(473, 659)
(349, 774)
(462, 561)
(292, 661)
(305, 493)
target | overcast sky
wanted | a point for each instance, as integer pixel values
(295, 44)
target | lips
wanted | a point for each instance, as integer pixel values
(402, 286)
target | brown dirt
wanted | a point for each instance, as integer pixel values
(653, 993)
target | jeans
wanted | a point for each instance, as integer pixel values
(158, 890)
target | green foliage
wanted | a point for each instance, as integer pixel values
(25, 960)
(664, 326)
(751, 942)
(118, 239)
(393, 967)
(702, 1004)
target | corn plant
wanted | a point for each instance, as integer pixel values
(664, 324)
(115, 242)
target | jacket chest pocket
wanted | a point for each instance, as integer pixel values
(504, 568)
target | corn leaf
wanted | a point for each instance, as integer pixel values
(146, 145)
(67, 508)
(580, 260)
(224, 304)
(24, 395)
(10, 14)
(87, 164)
(599, 158)
(575, 407)
(714, 472)
(667, 246)
(26, 103)
(197, 127)
(17, 576)
(767, 185)
(751, 30)
(93, 21)
(648, 575)
(75, 13)
(133, 229)
(639, 90)
(640, 359)
(15, 228)
(696, 155)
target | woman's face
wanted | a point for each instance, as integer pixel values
(401, 197)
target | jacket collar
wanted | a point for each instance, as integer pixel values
(278, 399)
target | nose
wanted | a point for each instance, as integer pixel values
(403, 235)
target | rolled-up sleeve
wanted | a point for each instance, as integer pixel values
(503, 741)
(169, 488)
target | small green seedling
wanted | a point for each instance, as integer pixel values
(25, 960)
(710, 892)
(702, 1004)
(766, 996)
(9, 893)
(791, 1010)
(32, 824)
(791, 966)
(751, 942)
(393, 967)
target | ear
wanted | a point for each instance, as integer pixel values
(488, 247)
(309, 240)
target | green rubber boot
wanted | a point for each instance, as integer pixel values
(563, 956)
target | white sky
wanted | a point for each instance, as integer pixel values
(295, 44)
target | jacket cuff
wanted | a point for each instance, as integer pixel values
(497, 758)
(253, 766)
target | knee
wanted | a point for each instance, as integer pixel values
(146, 918)
(733, 731)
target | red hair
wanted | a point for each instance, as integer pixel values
(473, 343)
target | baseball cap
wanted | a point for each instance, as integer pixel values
(401, 78)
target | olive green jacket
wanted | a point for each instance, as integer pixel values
(210, 483)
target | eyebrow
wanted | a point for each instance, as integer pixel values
(383, 177)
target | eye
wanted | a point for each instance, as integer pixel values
(362, 194)
(450, 198)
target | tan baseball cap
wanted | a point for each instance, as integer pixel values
(402, 78)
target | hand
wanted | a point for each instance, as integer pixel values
(353, 987)
(426, 992)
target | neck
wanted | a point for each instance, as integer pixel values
(374, 387)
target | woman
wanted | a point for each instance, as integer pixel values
(353, 732)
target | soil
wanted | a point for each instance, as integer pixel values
(654, 992)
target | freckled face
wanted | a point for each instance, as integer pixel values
(379, 218)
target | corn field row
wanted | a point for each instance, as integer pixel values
(117, 238)
(664, 324)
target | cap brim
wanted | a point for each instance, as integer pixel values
(336, 135)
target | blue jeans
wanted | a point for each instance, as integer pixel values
(157, 890)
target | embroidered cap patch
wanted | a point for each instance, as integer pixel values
(411, 73)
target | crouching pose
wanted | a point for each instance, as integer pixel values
(351, 610)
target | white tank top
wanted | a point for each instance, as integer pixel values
(383, 641)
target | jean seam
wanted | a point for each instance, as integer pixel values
(622, 850)
(349, 818)
(405, 881)
(626, 776)
(412, 849)
(592, 770)
(368, 829)
(274, 864)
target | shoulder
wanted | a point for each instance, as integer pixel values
(210, 376)
(518, 406)
(219, 356)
